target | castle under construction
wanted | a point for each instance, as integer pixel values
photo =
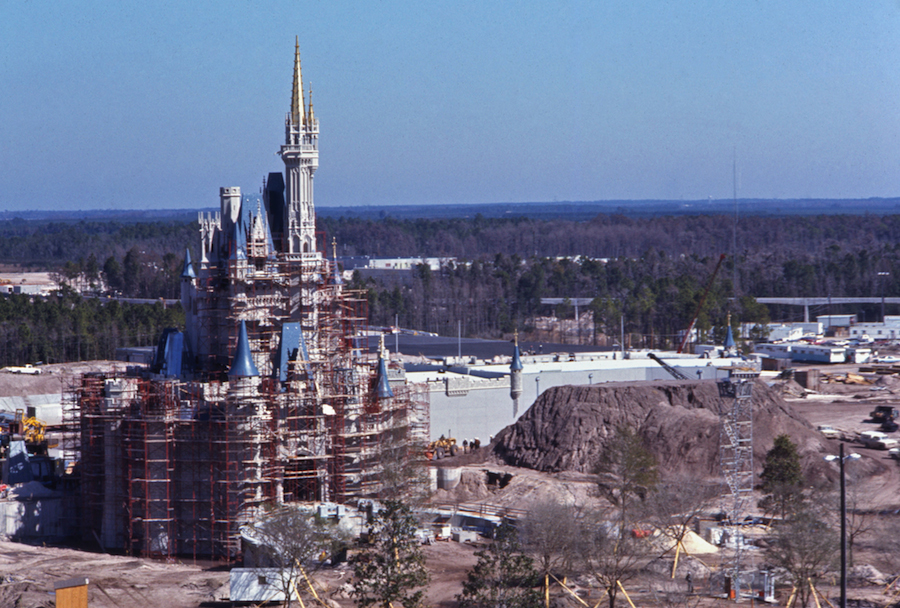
(269, 394)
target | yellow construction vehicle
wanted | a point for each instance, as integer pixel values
(443, 447)
(31, 430)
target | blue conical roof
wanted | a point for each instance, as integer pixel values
(729, 339)
(188, 271)
(383, 390)
(516, 365)
(243, 365)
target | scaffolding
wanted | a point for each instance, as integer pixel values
(174, 466)
(736, 453)
(175, 461)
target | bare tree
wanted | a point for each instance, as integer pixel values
(549, 532)
(290, 539)
(675, 506)
(403, 473)
(860, 521)
(805, 545)
(613, 540)
(611, 553)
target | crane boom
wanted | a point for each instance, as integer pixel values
(675, 373)
(687, 334)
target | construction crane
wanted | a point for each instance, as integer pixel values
(677, 374)
(687, 334)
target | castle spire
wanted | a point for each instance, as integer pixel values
(243, 365)
(187, 271)
(516, 365)
(298, 103)
(515, 375)
(337, 270)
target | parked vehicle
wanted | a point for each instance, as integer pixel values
(884, 412)
(870, 439)
(829, 431)
(886, 444)
(887, 359)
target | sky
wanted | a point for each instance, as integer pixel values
(120, 105)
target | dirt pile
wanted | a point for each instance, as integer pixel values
(568, 427)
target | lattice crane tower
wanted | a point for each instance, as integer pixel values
(736, 445)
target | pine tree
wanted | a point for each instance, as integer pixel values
(504, 576)
(392, 571)
(782, 477)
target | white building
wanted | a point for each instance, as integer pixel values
(782, 332)
(889, 330)
(830, 321)
(474, 400)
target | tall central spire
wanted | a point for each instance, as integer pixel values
(298, 102)
(300, 154)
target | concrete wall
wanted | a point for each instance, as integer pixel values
(47, 519)
(479, 407)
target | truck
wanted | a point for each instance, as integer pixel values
(23, 369)
(884, 412)
(877, 440)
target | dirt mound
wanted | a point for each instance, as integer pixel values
(568, 427)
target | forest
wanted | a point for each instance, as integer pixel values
(648, 274)
(67, 327)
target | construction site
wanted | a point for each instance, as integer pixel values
(276, 392)
(270, 394)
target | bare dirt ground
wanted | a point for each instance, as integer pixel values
(53, 379)
(28, 574)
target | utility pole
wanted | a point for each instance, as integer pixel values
(841, 459)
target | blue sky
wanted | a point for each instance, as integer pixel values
(111, 105)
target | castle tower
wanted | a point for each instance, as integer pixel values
(300, 154)
(188, 288)
(729, 344)
(515, 377)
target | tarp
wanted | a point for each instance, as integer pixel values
(19, 467)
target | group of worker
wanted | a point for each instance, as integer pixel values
(471, 445)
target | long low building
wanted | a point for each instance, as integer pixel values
(473, 400)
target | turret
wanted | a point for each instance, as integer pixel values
(729, 345)
(515, 376)
(243, 365)
(187, 295)
(383, 387)
(336, 275)
(187, 271)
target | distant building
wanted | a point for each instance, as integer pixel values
(889, 330)
(832, 321)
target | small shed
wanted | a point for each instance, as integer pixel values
(258, 585)
(72, 593)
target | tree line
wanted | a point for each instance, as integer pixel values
(66, 327)
(49, 245)
(646, 274)
(650, 273)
